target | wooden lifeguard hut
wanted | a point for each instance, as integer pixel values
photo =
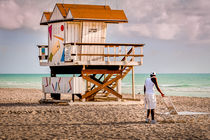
(77, 45)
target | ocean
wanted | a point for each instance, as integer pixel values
(193, 85)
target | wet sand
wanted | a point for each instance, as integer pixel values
(22, 117)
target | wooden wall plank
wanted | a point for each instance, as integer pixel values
(101, 71)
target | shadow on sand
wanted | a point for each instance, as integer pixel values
(21, 104)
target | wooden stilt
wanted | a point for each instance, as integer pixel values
(133, 83)
(119, 86)
(45, 97)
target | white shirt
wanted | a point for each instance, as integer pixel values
(149, 86)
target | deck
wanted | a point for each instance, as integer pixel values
(113, 55)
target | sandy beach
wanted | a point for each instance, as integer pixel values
(22, 117)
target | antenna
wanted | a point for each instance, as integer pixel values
(60, 1)
(117, 2)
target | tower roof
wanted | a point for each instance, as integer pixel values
(77, 12)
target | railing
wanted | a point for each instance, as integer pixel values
(111, 52)
(43, 53)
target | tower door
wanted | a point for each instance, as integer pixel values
(73, 32)
(93, 32)
(73, 35)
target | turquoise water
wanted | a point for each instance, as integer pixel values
(196, 85)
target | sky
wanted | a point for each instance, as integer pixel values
(176, 33)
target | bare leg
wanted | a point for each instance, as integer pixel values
(148, 113)
(153, 114)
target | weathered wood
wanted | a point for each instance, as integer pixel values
(113, 92)
(89, 93)
(131, 99)
(82, 19)
(107, 44)
(42, 46)
(105, 84)
(126, 69)
(118, 84)
(105, 99)
(133, 83)
(98, 79)
(107, 78)
(108, 53)
(128, 54)
(45, 56)
(102, 71)
(115, 53)
(85, 45)
(88, 85)
(133, 50)
(77, 69)
(112, 55)
(124, 73)
(119, 50)
(93, 32)
(101, 86)
(51, 101)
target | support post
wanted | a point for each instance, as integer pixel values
(133, 83)
(119, 86)
(44, 97)
(126, 52)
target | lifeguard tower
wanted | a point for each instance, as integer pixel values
(77, 45)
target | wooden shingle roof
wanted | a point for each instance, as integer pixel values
(71, 12)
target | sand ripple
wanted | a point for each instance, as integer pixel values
(22, 117)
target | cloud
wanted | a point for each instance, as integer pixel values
(15, 14)
(161, 31)
(10, 16)
(161, 19)
(169, 20)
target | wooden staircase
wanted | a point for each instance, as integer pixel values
(125, 71)
(107, 81)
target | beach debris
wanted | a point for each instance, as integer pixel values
(56, 102)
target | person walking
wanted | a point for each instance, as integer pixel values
(150, 99)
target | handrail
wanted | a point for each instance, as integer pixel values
(42, 46)
(116, 54)
(111, 55)
(106, 44)
(119, 52)
(128, 53)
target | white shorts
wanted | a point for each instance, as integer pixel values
(150, 101)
